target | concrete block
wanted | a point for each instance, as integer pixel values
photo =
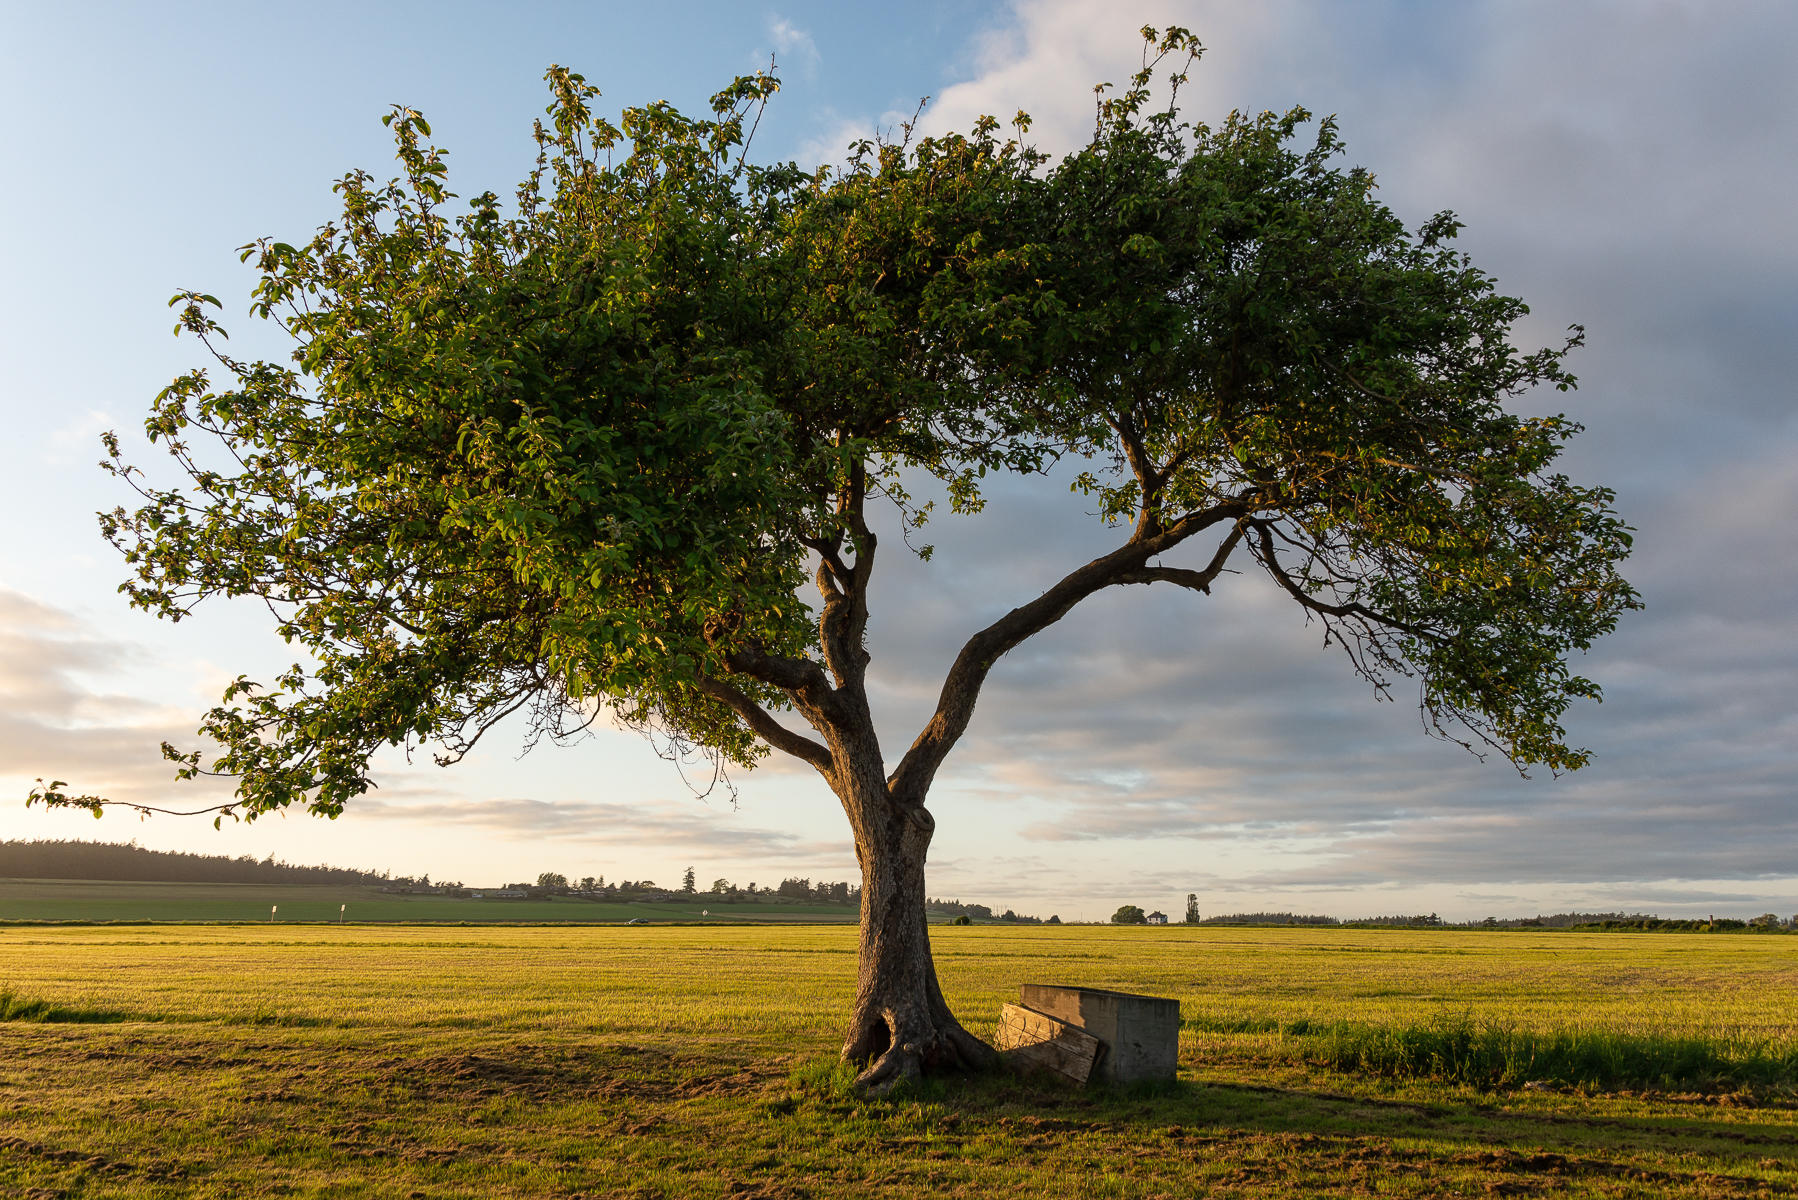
(1141, 1034)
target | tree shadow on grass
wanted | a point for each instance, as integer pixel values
(1519, 1150)
(589, 1072)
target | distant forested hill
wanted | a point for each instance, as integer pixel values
(128, 861)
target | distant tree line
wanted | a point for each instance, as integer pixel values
(981, 912)
(1633, 921)
(722, 891)
(796, 888)
(1602, 921)
(1287, 918)
(1765, 923)
(128, 862)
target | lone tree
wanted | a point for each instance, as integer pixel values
(614, 449)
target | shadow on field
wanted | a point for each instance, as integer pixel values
(542, 1073)
(1517, 1150)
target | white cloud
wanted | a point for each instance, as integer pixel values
(793, 44)
(1048, 61)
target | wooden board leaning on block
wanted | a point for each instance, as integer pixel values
(1034, 1039)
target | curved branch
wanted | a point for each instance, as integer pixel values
(801, 676)
(458, 748)
(765, 726)
(829, 552)
(51, 795)
(1148, 478)
(804, 680)
(1198, 581)
(1127, 564)
(228, 809)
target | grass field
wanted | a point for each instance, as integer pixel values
(249, 1061)
(84, 900)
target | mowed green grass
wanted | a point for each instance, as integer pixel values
(664, 1061)
(85, 900)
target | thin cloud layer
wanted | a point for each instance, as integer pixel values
(60, 713)
(669, 825)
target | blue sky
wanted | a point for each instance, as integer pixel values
(1625, 165)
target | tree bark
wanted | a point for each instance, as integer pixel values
(900, 1027)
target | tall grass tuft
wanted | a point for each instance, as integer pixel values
(1494, 1053)
(14, 1007)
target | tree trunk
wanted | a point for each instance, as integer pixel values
(900, 1026)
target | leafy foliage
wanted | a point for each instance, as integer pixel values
(1240, 324)
(593, 455)
(517, 462)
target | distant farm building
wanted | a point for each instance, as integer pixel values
(1157, 918)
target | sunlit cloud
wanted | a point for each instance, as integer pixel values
(59, 711)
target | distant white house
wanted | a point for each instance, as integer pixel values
(1157, 918)
(497, 893)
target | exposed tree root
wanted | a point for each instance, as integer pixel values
(940, 1048)
(899, 1064)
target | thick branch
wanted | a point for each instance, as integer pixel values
(843, 624)
(1127, 564)
(765, 726)
(832, 569)
(1136, 454)
(1198, 581)
(800, 676)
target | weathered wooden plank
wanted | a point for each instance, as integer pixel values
(1036, 1039)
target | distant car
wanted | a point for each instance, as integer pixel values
(636, 921)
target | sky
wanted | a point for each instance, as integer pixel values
(1629, 166)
